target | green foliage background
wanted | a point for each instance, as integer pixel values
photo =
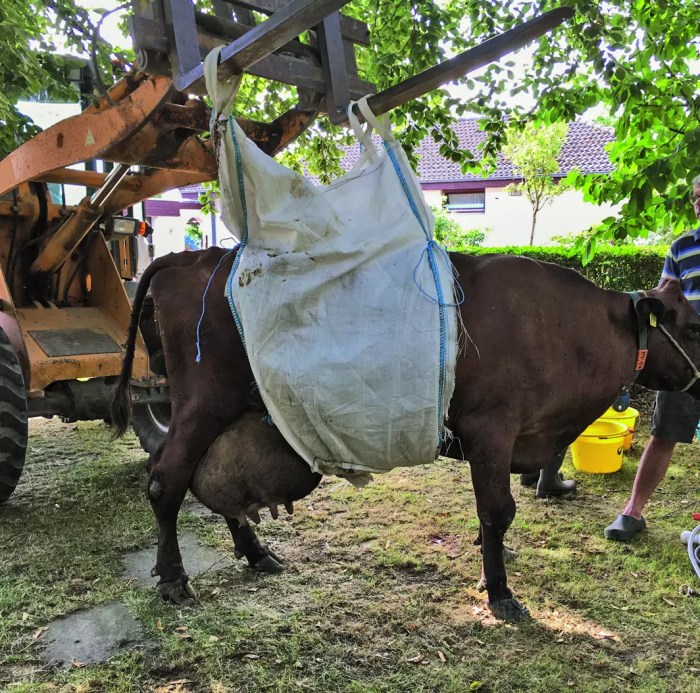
(623, 268)
(633, 60)
(534, 152)
(636, 62)
(450, 234)
(36, 37)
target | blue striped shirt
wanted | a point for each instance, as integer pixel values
(683, 265)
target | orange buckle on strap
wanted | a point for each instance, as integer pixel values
(641, 359)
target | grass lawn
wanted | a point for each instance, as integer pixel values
(379, 594)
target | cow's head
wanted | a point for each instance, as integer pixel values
(667, 368)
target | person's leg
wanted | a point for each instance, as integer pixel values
(674, 420)
(653, 465)
(529, 479)
(550, 483)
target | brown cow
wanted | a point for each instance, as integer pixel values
(544, 353)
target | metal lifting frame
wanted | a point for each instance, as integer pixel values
(323, 68)
(148, 120)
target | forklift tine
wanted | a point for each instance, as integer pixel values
(476, 57)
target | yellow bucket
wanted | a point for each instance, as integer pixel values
(629, 417)
(598, 450)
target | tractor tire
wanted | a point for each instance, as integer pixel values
(13, 419)
(150, 423)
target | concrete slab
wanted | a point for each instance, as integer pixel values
(92, 636)
(196, 558)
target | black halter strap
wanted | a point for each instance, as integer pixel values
(642, 335)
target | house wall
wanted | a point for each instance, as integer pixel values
(169, 233)
(506, 219)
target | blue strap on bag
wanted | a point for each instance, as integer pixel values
(433, 251)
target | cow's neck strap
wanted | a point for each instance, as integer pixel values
(642, 335)
(643, 338)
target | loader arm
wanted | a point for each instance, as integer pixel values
(143, 128)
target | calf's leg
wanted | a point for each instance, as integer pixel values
(496, 509)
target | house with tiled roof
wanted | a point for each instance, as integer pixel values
(483, 203)
(474, 201)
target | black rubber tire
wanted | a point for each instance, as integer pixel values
(13, 419)
(150, 423)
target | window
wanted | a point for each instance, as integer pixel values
(466, 201)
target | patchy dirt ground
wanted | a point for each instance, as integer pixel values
(379, 594)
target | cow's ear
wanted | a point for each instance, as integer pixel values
(648, 305)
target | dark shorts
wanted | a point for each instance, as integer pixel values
(675, 417)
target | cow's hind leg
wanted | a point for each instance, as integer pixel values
(171, 470)
(246, 544)
(496, 509)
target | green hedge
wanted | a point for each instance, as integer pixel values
(624, 268)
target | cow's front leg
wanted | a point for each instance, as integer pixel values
(496, 509)
(247, 545)
(170, 474)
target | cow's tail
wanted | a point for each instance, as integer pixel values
(120, 405)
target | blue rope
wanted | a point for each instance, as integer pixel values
(244, 235)
(204, 298)
(429, 250)
(444, 255)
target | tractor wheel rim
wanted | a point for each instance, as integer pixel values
(159, 414)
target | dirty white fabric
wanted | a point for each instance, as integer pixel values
(344, 301)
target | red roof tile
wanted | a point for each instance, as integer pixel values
(583, 150)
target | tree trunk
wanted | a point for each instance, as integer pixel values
(532, 228)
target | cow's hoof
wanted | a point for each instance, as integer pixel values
(239, 554)
(510, 610)
(178, 591)
(481, 585)
(268, 564)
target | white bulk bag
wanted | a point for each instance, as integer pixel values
(343, 300)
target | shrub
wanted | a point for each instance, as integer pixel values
(624, 268)
(473, 237)
(193, 230)
(450, 234)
